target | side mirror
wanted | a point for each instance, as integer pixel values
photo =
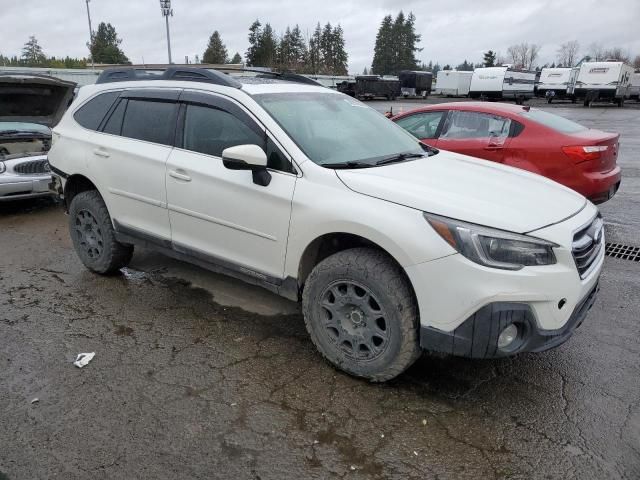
(248, 157)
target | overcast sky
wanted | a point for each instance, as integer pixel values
(452, 30)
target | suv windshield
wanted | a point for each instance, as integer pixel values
(337, 130)
(554, 122)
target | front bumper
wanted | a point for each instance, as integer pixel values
(19, 187)
(455, 294)
(477, 337)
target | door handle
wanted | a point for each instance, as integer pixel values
(179, 175)
(101, 153)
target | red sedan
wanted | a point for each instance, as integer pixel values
(523, 137)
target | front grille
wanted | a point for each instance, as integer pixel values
(587, 244)
(33, 167)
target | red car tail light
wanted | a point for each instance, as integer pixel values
(584, 153)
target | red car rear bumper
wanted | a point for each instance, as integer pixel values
(599, 186)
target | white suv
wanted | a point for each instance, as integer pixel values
(391, 246)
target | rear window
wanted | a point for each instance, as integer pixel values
(91, 113)
(150, 121)
(554, 122)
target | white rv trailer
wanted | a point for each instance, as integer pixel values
(554, 83)
(603, 81)
(453, 83)
(502, 83)
(634, 89)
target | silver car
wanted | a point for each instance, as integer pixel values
(29, 106)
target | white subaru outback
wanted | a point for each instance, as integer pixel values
(392, 246)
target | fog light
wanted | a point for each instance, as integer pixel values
(507, 336)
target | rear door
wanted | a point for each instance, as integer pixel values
(477, 134)
(129, 157)
(221, 215)
(424, 126)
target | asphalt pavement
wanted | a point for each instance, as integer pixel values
(197, 376)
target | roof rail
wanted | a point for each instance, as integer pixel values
(188, 74)
(263, 73)
(195, 74)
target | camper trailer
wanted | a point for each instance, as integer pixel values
(496, 83)
(603, 82)
(554, 83)
(415, 84)
(634, 89)
(453, 83)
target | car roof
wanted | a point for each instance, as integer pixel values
(486, 107)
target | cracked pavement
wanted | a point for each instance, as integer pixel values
(200, 376)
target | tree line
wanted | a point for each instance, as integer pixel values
(323, 51)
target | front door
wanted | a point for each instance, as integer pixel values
(220, 215)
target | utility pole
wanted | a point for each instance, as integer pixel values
(165, 6)
(90, 33)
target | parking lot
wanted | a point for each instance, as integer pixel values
(200, 376)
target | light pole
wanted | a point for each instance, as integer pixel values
(165, 6)
(90, 33)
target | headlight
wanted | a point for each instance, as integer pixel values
(3, 167)
(491, 247)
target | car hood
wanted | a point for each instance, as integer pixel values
(464, 188)
(34, 99)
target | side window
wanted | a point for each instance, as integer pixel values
(210, 130)
(422, 125)
(467, 125)
(151, 121)
(90, 115)
(114, 124)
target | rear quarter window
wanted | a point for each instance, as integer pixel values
(90, 115)
(554, 122)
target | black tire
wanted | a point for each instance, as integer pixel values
(372, 299)
(93, 236)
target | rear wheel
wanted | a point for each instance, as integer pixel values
(361, 314)
(93, 235)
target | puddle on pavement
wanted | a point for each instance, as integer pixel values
(123, 331)
(133, 275)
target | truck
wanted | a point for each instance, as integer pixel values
(602, 82)
(502, 83)
(415, 83)
(554, 83)
(369, 87)
(634, 89)
(453, 83)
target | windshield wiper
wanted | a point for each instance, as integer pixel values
(401, 157)
(346, 165)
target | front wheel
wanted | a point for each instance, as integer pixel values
(361, 314)
(93, 235)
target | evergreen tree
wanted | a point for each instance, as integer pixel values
(255, 33)
(489, 58)
(236, 59)
(383, 50)
(396, 45)
(465, 67)
(339, 64)
(32, 54)
(105, 47)
(216, 52)
(446, 67)
(314, 58)
(365, 71)
(263, 46)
